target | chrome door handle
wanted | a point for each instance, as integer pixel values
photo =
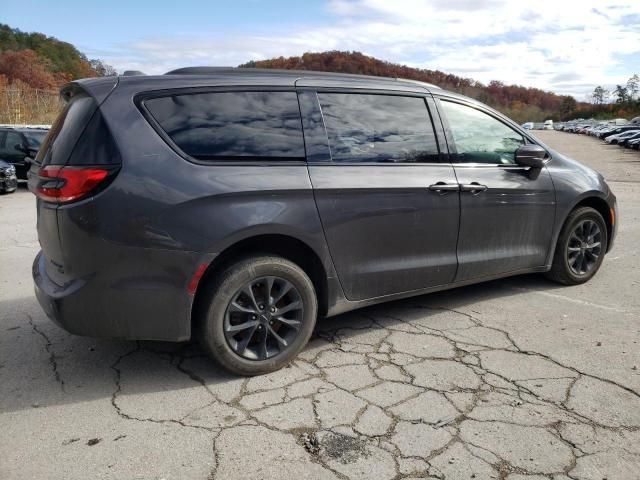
(473, 187)
(443, 188)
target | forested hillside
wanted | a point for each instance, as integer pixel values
(522, 104)
(33, 66)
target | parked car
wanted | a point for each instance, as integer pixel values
(8, 180)
(19, 143)
(617, 129)
(613, 139)
(527, 125)
(625, 139)
(593, 131)
(635, 144)
(236, 206)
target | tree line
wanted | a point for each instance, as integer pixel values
(518, 102)
(33, 67)
(623, 101)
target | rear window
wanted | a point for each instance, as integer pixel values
(378, 128)
(66, 130)
(232, 125)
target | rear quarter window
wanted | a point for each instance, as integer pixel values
(58, 144)
(232, 125)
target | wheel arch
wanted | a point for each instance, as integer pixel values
(602, 207)
(285, 246)
(593, 199)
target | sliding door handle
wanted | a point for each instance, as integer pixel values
(442, 187)
(473, 187)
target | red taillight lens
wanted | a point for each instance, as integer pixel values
(66, 184)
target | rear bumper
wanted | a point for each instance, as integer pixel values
(87, 307)
(55, 299)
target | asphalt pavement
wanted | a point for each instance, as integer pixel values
(517, 379)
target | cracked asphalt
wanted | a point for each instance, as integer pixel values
(517, 379)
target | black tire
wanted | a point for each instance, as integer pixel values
(218, 313)
(562, 270)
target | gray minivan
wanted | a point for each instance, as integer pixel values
(238, 205)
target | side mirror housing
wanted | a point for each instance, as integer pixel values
(533, 156)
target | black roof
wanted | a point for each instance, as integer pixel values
(194, 76)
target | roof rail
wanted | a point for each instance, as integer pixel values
(418, 82)
(132, 73)
(215, 70)
(201, 70)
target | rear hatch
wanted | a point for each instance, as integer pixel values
(76, 160)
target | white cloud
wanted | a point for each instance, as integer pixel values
(567, 46)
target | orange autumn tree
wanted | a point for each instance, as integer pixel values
(33, 67)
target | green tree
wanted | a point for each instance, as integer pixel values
(102, 69)
(567, 106)
(633, 86)
(622, 94)
(598, 95)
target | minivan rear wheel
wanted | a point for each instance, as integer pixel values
(581, 247)
(259, 313)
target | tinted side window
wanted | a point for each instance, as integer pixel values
(228, 125)
(479, 137)
(35, 138)
(9, 146)
(378, 128)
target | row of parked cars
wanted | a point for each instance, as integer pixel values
(17, 145)
(616, 132)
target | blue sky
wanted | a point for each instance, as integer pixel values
(568, 47)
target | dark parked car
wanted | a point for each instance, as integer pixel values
(8, 180)
(236, 206)
(18, 144)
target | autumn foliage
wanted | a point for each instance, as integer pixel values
(520, 103)
(33, 67)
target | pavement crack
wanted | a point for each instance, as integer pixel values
(49, 348)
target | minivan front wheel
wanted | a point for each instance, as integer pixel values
(259, 314)
(581, 247)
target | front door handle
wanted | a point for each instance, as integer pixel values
(443, 188)
(473, 187)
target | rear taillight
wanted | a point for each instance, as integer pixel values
(66, 184)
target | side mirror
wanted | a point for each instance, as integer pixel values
(533, 156)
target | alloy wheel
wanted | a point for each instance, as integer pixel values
(584, 247)
(263, 318)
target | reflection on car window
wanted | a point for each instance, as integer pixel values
(479, 137)
(223, 125)
(34, 139)
(9, 148)
(378, 128)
